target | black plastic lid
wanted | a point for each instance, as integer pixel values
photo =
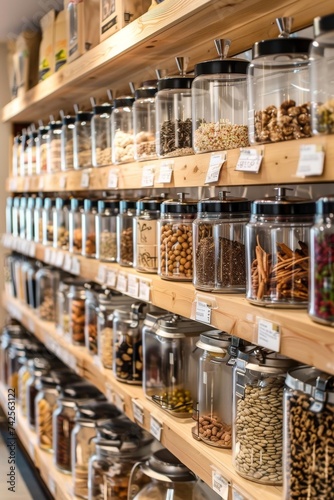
(43, 130)
(175, 82)
(125, 205)
(76, 204)
(221, 67)
(89, 204)
(84, 116)
(111, 205)
(122, 431)
(49, 203)
(81, 390)
(148, 204)
(164, 462)
(290, 206)
(325, 205)
(229, 205)
(179, 207)
(145, 92)
(322, 25)
(33, 134)
(61, 203)
(55, 125)
(68, 120)
(276, 46)
(126, 100)
(97, 411)
(101, 109)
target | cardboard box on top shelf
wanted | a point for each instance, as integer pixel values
(82, 25)
(115, 14)
(23, 62)
(46, 65)
(60, 40)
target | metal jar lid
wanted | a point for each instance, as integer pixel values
(263, 360)
(179, 206)
(221, 67)
(311, 381)
(99, 410)
(175, 82)
(164, 466)
(68, 120)
(124, 101)
(148, 204)
(89, 205)
(83, 116)
(282, 47)
(125, 205)
(214, 341)
(81, 390)
(122, 435)
(283, 205)
(224, 204)
(173, 326)
(56, 125)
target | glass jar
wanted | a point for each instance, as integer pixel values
(145, 232)
(26, 267)
(18, 278)
(47, 221)
(101, 135)
(24, 153)
(76, 306)
(258, 382)
(37, 367)
(42, 150)
(91, 315)
(219, 244)
(61, 224)
(75, 225)
(321, 302)
(31, 278)
(63, 419)
(88, 216)
(170, 369)
(45, 404)
(12, 334)
(279, 88)
(32, 152)
(16, 154)
(277, 243)
(54, 147)
(47, 283)
(15, 357)
(308, 432)
(67, 143)
(9, 215)
(63, 314)
(119, 445)
(144, 123)
(22, 217)
(38, 220)
(219, 101)
(122, 139)
(106, 221)
(175, 259)
(321, 75)
(161, 477)
(82, 446)
(214, 396)
(16, 216)
(9, 286)
(30, 218)
(127, 210)
(83, 140)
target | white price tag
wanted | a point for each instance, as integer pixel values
(155, 428)
(112, 179)
(97, 361)
(70, 360)
(166, 172)
(111, 279)
(41, 183)
(203, 312)
(250, 160)
(311, 160)
(53, 258)
(47, 255)
(75, 269)
(32, 451)
(85, 178)
(133, 285)
(147, 179)
(138, 411)
(13, 184)
(268, 334)
(32, 249)
(109, 393)
(26, 184)
(68, 263)
(119, 401)
(62, 182)
(237, 495)
(217, 160)
(31, 325)
(101, 274)
(121, 283)
(60, 259)
(52, 486)
(144, 290)
(220, 485)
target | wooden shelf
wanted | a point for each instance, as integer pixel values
(153, 41)
(300, 339)
(175, 433)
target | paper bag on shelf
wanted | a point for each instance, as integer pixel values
(82, 25)
(46, 52)
(60, 40)
(115, 14)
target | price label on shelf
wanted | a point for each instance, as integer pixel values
(217, 160)
(26, 184)
(144, 290)
(250, 160)
(133, 285)
(32, 450)
(109, 393)
(121, 283)
(75, 268)
(268, 334)
(67, 263)
(47, 255)
(101, 274)
(119, 402)
(60, 259)
(220, 485)
(85, 179)
(41, 183)
(111, 278)
(32, 249)
(155, 427)
(147, 179)
(311, 160)
(203, 312)
(62, 182)
(52, 486)
(13, 184)
(166, 172)
(138, 411)
(112, 179)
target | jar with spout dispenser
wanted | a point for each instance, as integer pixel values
(101, 135)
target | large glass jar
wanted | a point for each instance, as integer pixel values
(308, 433)
(144, 123)
(45, 404)
(321, 303)
(22, 217)
(219, 244)
(37, 367)
(31, 351)
(47, 221)
(47, 283)
(42, 149)
(91, 315)
(67, 143)
(32, 152)
(75, 225)
(61, 224)
(31, 283)
(101, 135)
(63, 311)
(24, 153)
(277, 243)
(11, 333)
(83, 140)
(16, 216)
(38, 220)
(219, 101)
(30, 218)
(175, 259)
(170, 370)
(214, 395)
(9, 215)
(82, 445)
(258, 382)
(76, 306)
(279, 88)
(106, 222)
(145, 233)
(16, 154)
(321, 75)
(88, 216)
(15, 357)
(54, 147)
(119, 445)
(127, 210)
(122, 130)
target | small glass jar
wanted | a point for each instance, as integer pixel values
(258, 382)
(127, 210)
(75, 225)
(83, 140)
(219, 100)
(321, 302)
(16, 154)
(122, 130)
(101, 135)
(9, 215)
(22, 217)
(38, 220)
(24, 153)
(54, 147)
(31, 278)
(308, 433)
(321, 75)
(47, 221)
(175, 259)
(214, 396)
(10, 333)
(144, 123)
(170, 370)
(145, 232)
(45, 404)
(67, 143)
(277, 245)
(106, 222)
(219, 244)
(76, 306)
(61, 224)
(42, 150)
(15, 359)
(63, 419)
(119, 445)
(91, 315)
(88, 216)
(82, 445)
(9, 286)
(63, 311)
(30, 218)
(32, 152)
(47, 283)
(16, 216)
(37, 367)
(279, 88)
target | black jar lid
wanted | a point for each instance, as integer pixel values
(123, 434)
(325, 205)
(49, 203)
(33, 134)
(56, 125)
(97, 411)
(164, 462)
(215, 338)
(143, 92)
(283, 205)
(179, 206)
(76, 204)
(101, 109)
(175, 82)
(322, 25)
(282, 46)
(89, 204)
(124, 101)
(308, 379)
(112, 206)
(44, 129)
(222, 67)
(61, 203)
(148, 204)
(68, 120)
(83, 116)
(125, 205)
(224, 204)
(81, 390)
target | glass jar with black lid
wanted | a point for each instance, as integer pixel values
(16, 216)
(42, 149)
(22, 216)
(67, 143)
(88, 224)
(106, 223)
(101, 135)
(47, 221)
(38, 366)
(47, 283)
(91, 315)
(61, 224)
(144, 123)
(127, 210)
(38, 219)
(30, 218)
(83, 140)
(16, 156)
(32, 152)
(76, 296)
(122, 130)
(54, 147)
(75, 225)
(9, 214)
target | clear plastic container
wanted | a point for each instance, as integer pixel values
(67, 143)
(76, 306)
(61, 224)
(54, 147)
(219, 244)
(277, 243)
(16, 154)
(106, 223)
(75, 225)
(32, 152)
(145, 232)
(101, 135)
(122, 130)
(47, 221)
(83, 140)
(22, 217)
(42, 150)
(144, 122)
(127, 210)
(38, 220)
(308, 433)
(219, 100)
(47, 283)
(30, 218)
(88, 216)
(175, 259)
(279, 88)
